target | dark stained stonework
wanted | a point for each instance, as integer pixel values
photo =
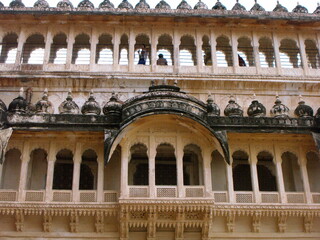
(219, 6)
(233, 109)
(44, 106)
(200, 5)
(279, 110)
(257, 7)
(3, 107)
(19, 104)
(318, 113)
(184, 5)
(1, 5)
(85, 4)
(125, 5)
(300, 9)
(256, 109)
(69, 106)
(280, 8)
(65, 5)
(41, 4)
(212, 108)
(106, 4)
(238, 7)
(16, 4)
(91, 107)
(113, 108)
(303, 110)
(142, 4)
(163, 5)
(317, 11)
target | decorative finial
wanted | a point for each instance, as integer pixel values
(21, 92)
(152, 83)
(91, 93)
(254, 97)
(175, 83)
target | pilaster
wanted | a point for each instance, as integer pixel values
(100, 179)
(255, 42)
(21, 41)
(124, 172)
(76, 172)
(199, 51)
(234, 45)
(232, 198)
(304, 58)
(154, 42)
(47, 48)
(152, 167)
(213, 44)
(70, 40)
(276, 46)
(304, 175)
(254, 175)
(207, 172)
(131, 50)
(280, 182)
(24, 170)
(50, 171)
(116, 53)
(179, 157)
(93, 48)
(176, 44)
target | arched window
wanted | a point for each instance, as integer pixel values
(124, 50)
(165, 47)
(33, 49)
(187, 53)
(224, 52)
(166, 167)
(312, 54)
(37, 170)
(11, 170)
(192, 166)
(266, 172)
(206, 51)
(58, 52)
(9, 48)
(142, 50)
(81, 50)
(241, 171)
(104, 50)
(218, 172)
(63, 170)
(313, 168)
(289, 54)
(245, 52)
(88, 170)
(291, 173)
(266, 53)
(138, 171)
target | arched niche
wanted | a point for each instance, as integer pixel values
(138, 169)
(88, 170)
(58, 51)
(37, 170)
(266, 53)
(63, 170)
(218, 172)
(290, 56)
(206, 51)
(192, 165)
(165, 165)
(187, 51)
(291, 173)
(104, 52)
(124, 50)
(165, 47)
(81, 49)
(33, 49)
(245, 52)
(224, 52)
(11, 170)
(313, 168)
(266, 172)
(142, 49)
(112, 172)
(312, 52)
(241, 171)
(9, 48)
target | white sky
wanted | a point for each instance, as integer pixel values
(267, 4)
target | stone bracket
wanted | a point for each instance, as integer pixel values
(5, 135)
(316, 137)
(223, 140)
(109, 137)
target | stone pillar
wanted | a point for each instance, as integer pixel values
(93, 48)
(303, 53)
(276, 46)
(234, 44)
(116, 49)
(124, 193)
(70, 40)
(232, 197)
(176, 44)
(199, 51)
(76, 172)
(24, 170)
(21, 41)
(213, 43)
(207, 172)
(304, 174)
(254, 175)
(280, 182)
(179, 157)
(255, 42)
(152, 167)
(50, 171)
(100, 177)
(154, 43)
(131, 50)
(47, 49)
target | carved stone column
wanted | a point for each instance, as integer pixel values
(70, 40)
(124, 227)
(152, 167)
(47, 49)
(207, 172)
(276, 46)
(199, 51)
(303, 53)
(254, 175)
(50, 171)
(76, 172)
(176, 44)
(232, 198)
(304, 175)
(154, 42)
(152, 228)
(124, 193)
(24, 170)
(213, 43)
(21, 41)
(100, 178)
(255, 42)
(93, 48)
(179, 157)
(179, 231)
(234, 45)
(116, 53)
(131, 50)
(280, 182)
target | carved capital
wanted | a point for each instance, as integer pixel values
(256, 222)
(282, 223)
(308, 223)
(74, 223)
(231, 222)
(19, 221)
(47, 223)
(99, 222)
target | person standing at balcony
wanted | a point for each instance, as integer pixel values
(161, 60)
(143, 54)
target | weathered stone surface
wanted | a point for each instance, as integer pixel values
(300, 9)
(125, 5)
(303, 110)
(317, 11)
(44, 106)
(19, 104)
(86, 4)
(212, 108)
(279, 109)
(142, 4)
(257, 7)
(233, 109)
(219, 6)
(41, 4)
(113, 108)
(256, 109)
(3, 107)
(184, 5)
(200, 5)
(106, 4)
(16, 4)
(163, 5)
(65, 5)
(91, 106)
(69, 106)
(280, 8)
(238, 7)
(5, 135)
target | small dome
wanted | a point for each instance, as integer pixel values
(213, 109)
(318, 113)
(219, 6)
(184, 5)
(279, 110)
(163, 5)
(300, 9)
(3, 107)
(106, 4)
(142, 4)
(1, 5)
(303, 110)
(19, 104)
(114, 106)
(69, 106)
(200, 5)
(238, 7)
(16, 4)
(233, 109)
(125, 5)
(256, 109)
(280, 8)
(41, 4)
(257, 7)
(91, 107)
(317, 11)
(86, 4)
(44, 106)
(65, 4)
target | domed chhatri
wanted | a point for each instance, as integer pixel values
(233, 109)
(16, 4)
(303, 110)
(200, 5)
(256, 109)
(41, 4)
(163, 5)
(44, 106)
(113, 108)
(213, 109)
(257, 7)
(300, 9)
(125, 5)
(3, 107)
(19, 104)
(106, 4)
(279, 110)
(317, 11)
(142, 4)
(65, 4)
(280, 8)
(91, 107)
(86, 4)
(238, 7)
(69, 106)
(219, 6)
(184, 5)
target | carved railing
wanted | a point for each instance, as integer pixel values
(316, 198)
(87, 196)
(221, 197)
(194, 191)
(34, 196)
(110, 196)
(296, 197)
(61, 196)
(8, 195)
(270, 197)
(166, 191)
(244, 197)
(138, 191)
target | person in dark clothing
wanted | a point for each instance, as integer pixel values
(161, 60)
(143, 54)
(242, 63)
